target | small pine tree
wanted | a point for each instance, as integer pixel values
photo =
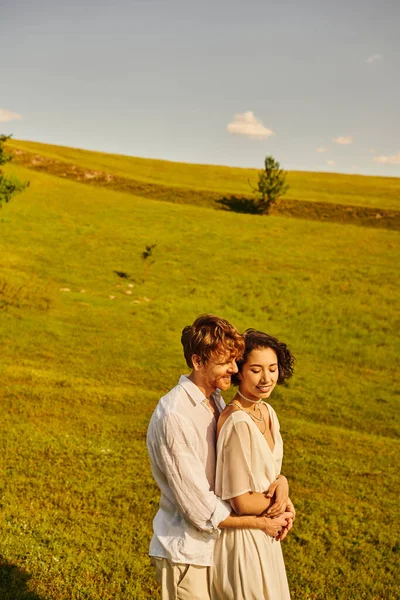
(271, 185)
(8, 185)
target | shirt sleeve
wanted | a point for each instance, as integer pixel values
(178, 460)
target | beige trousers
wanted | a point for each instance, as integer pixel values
(182, 582)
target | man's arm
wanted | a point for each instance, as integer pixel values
(270, 526)
(177, 460)
(173, 450)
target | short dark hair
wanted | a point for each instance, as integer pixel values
(210, 335)
(254, 339)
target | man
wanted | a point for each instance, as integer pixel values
(181, 442)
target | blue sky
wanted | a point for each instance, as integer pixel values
(222, 82)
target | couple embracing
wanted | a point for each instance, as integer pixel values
(224, 506)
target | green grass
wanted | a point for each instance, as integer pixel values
(81, 374)
(353, 190)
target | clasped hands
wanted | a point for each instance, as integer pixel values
(281, 513)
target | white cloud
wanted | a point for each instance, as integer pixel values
(8, 115)
(374, 58)
(372, 150)
(394, 159)
(330, 162)
(321, 149)
(343, 139)
(247, 124)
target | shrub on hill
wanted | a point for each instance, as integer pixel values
(8, 185)
(271, 185)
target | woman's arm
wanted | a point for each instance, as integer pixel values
(255, 503)
(236, 472)
(250, 503)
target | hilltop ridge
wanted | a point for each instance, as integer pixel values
(357, 199)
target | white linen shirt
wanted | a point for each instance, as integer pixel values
(181, 441)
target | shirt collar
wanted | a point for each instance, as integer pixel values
(197, 395)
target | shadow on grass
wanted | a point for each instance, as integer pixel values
(14, 583)
(238, 205)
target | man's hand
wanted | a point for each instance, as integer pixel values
(275, 526)
(280, 489)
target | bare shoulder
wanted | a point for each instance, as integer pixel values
(228, 410)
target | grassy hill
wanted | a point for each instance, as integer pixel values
(86, 355)
(218, 181)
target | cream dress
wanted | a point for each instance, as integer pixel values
(248, 564)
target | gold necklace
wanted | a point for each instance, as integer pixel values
(253, 417)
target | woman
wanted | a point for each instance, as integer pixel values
(248, 564)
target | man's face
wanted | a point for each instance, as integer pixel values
(217, 372)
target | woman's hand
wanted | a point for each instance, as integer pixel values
(280, 489)
(289, 525)
(291, 508)
(276, 526)
(285, 531)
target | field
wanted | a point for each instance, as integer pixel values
(331, 188)
(86, 354)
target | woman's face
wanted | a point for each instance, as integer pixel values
(259, 373)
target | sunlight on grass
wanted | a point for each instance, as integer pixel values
(81, 379)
